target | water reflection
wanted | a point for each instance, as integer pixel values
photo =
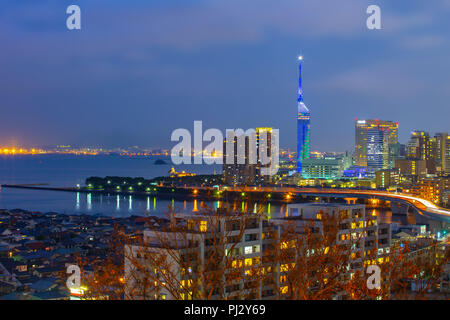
(195, 206)
(120, 205)
(125, 205)
(77, 205)
(89, 201)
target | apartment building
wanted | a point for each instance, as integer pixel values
(242, 252)
(355, 226)
(228, 244)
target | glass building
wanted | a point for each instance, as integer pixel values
(368, 142)
(321, 168)
(377, 149)
(303, 125)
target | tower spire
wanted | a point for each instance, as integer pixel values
(300, 89)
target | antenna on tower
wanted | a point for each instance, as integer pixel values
(300, 89)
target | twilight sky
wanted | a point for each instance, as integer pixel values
(139, 69)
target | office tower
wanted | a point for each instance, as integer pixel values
(422, 147)
(267, 150)
(347, 160)
(246, 168)
(321, 168)
(396, 151)
(303, 125)
(361, 129)
(442, 152)
(377, 148)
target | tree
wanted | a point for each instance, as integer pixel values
(202, 256)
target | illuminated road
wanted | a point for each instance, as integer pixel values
(423, 207)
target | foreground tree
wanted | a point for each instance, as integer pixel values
(204, 256)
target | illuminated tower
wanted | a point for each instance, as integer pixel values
(303, 124)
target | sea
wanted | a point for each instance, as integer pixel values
(61, 170)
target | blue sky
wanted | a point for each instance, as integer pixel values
(140, 69)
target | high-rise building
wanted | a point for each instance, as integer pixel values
(421, 146)
(267, 150)
(347, 160)
(377, 148)
(396, 151)
(243, 170)
(442, 152)
(411, 169)
(188, 258)
(240, 170)
(240, 246)
(303, 125)
(382, 133)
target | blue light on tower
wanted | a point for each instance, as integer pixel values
(303, 124)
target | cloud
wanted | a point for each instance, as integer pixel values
(387, 79)
(232, 22)
(423, 41)
(197, 25)
(396, 23)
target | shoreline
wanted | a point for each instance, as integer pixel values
(167, 193)
(193, 193)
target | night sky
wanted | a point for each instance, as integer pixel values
(139, 69)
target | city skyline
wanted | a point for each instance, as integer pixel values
(121, 84)
(165, 150)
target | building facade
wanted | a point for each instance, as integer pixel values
(388, 178)
(422, 147)
(372, 138)
(321, 168)
(247, 168)
(248, 248)
(442, 152)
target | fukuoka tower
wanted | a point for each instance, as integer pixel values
(303, 124)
